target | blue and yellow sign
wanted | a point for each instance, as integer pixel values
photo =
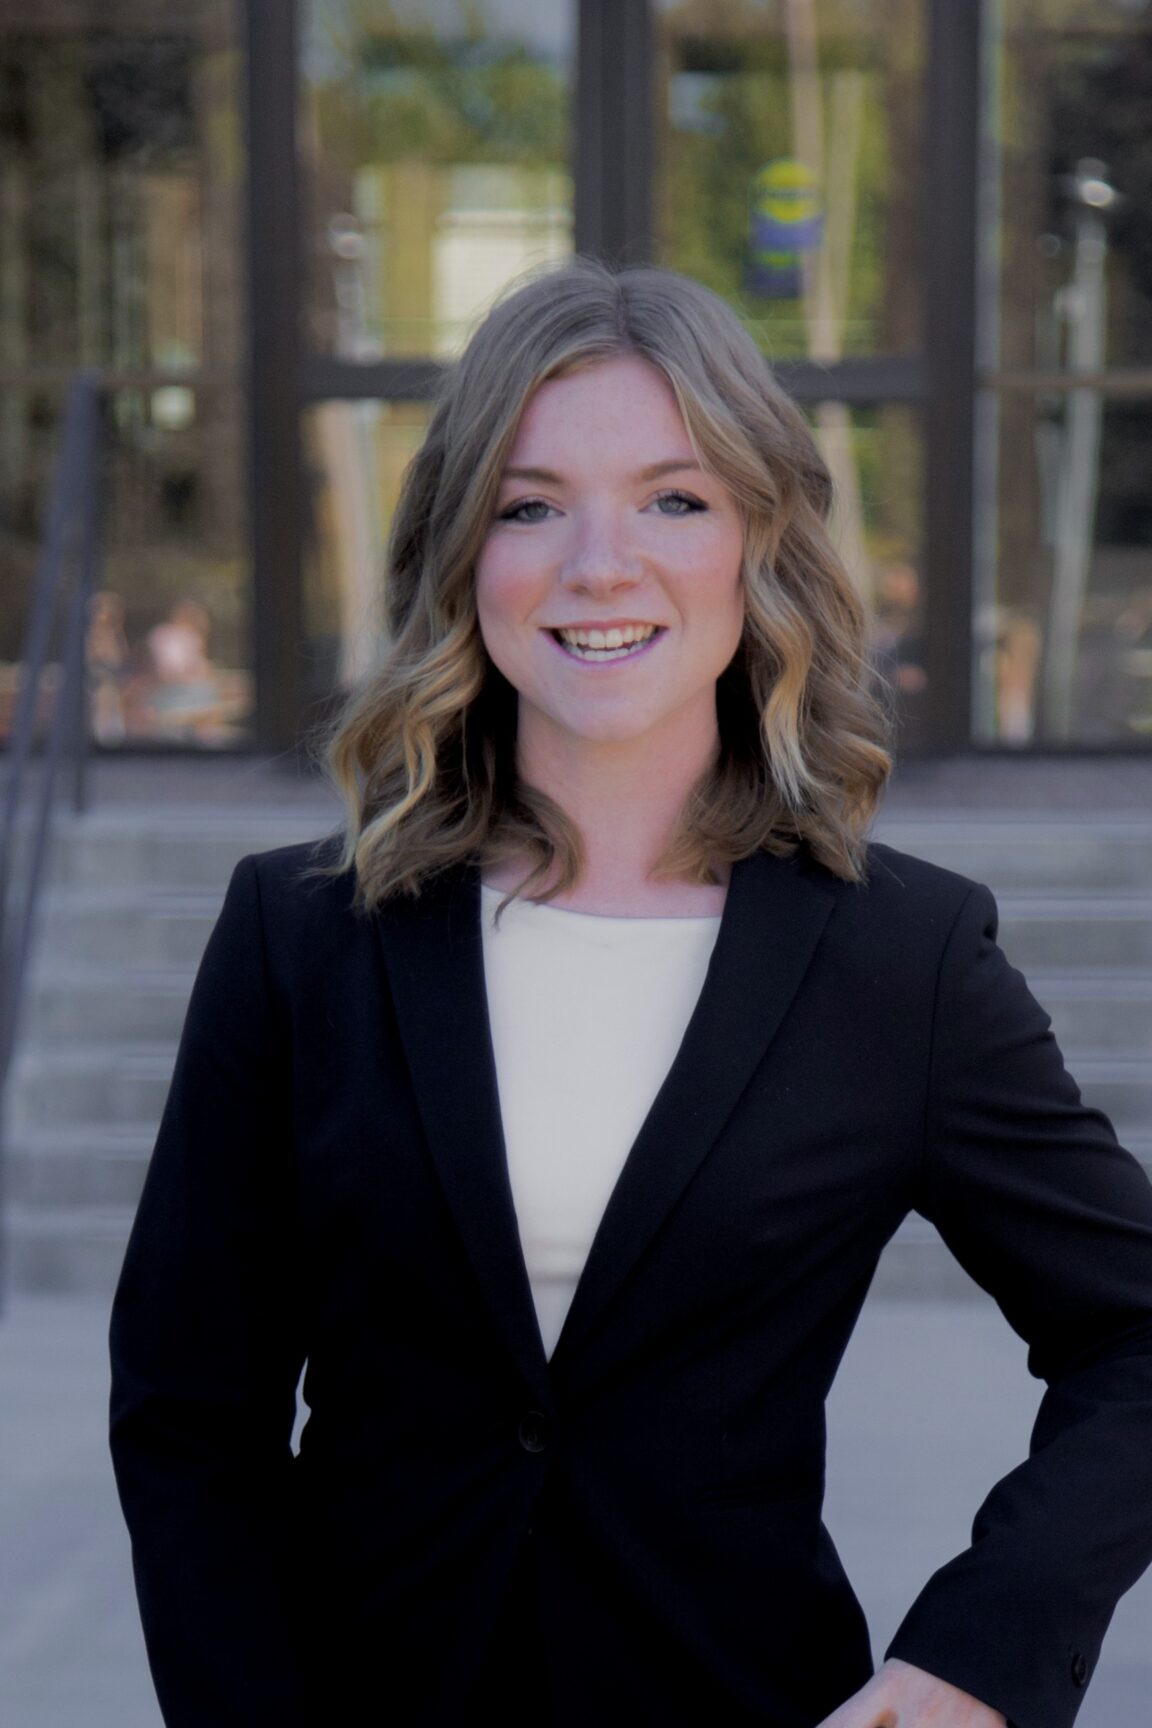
(786, 219)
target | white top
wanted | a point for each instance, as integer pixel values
(587, 1013)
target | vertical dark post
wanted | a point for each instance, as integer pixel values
(952, 107)
(588, 127)
(274, 341)
(613, 130)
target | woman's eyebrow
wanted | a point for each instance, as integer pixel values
(549, 477)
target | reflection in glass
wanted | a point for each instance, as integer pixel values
(120, 178)
(436, 164)
(789, 157)
(879, 534)
(167, 633)
(175, 575)
(356, 454)
(1063, 574)
(1066, 641)
(1070, 219)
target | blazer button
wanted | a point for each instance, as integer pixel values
(533, 1430)
(1079, 1669)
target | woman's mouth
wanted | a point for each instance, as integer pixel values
(620, 642)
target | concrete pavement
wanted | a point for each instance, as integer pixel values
(932, 1405)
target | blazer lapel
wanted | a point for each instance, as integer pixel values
(774, 913)
(434, 955)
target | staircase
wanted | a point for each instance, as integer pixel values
(134, 894)
(1074, 891)
(123, 921)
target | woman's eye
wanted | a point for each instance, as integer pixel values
(537, 509)
(516, 512)
(683, 503)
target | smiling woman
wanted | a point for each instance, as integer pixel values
(612, 453)
(612, 605)
(559, 1109)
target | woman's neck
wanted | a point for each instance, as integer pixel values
(626, 800)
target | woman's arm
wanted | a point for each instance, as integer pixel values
(1031, 1191)
(206, 1345)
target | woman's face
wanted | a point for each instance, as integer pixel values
(608, 588)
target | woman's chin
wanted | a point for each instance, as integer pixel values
(601, 731)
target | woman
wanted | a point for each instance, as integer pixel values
(558, 1116)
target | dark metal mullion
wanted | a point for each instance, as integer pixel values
(862, 381)
(631, 68)
(869, 381)
(613, 121)
(952, 108)
(329, 378)
(276, 515)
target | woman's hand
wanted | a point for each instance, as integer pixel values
(901, 1696)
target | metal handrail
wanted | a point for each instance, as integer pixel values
(66, 578)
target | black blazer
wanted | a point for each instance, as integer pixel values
(630, 1533)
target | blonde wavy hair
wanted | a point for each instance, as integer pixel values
(423, 752)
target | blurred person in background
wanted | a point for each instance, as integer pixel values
(553, 1117)
(109, 666)
(185, 695)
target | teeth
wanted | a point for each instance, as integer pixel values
(614, 638)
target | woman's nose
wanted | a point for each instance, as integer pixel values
(600, 558)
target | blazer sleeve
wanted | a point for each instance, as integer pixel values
(206, 1352)
(1031, 1192)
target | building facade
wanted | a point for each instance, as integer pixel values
(272, 223)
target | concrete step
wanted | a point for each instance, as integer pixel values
(60, 1170)
(89, 1085)
(1097, 1013)
(106, 1004)
(1056, 931)
(1039, 851)
(1121, 1087)
(196, 851)
(130, 926)
(1138, 1141)
(77, 1252)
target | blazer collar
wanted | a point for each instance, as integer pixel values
(774, 913)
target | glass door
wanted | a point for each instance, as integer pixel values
(1064, 570)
